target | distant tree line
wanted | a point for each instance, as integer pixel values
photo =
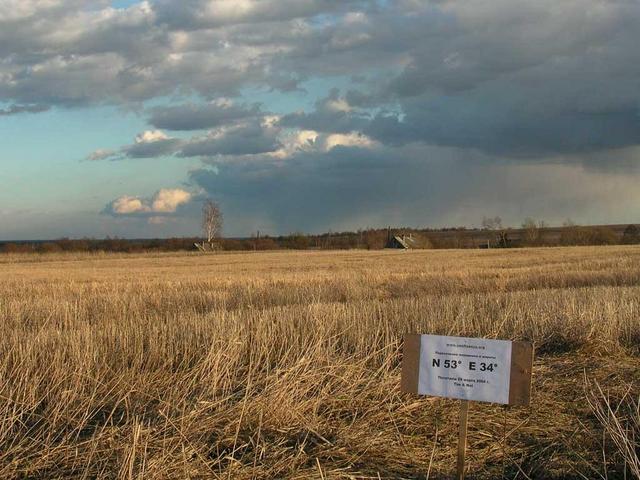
(98, 245)
(493, 234)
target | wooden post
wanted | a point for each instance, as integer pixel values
(462, 437)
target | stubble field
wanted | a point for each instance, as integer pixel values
(287, 364)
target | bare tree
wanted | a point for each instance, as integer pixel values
(211, 224)
(494, 224)
(491, 223)
(533, 234)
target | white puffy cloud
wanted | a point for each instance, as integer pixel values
(168, 200)
(164, 201)
(348, 140)
(150, 136)
(296, 142)
(127, 205)
(309, 141)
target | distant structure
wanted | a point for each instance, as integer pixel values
(404, 242)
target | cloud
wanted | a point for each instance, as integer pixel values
(165, 201)
(127, 205)
(309, 142)
(74, 53)
(168, 200)
(438, 106)
(331, 114)
(248, 139)
(17, 10)
(505, 124)
(102, 154)
(194, 14)
(192, 116)
(148, 144)
(413, 185)
(17, 109)
(515, 78)
(151, 136)
(519, 79)
(348, 140)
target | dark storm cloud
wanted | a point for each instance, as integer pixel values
(197, 117)
(505, 128)
(313, 191)
(349, 187)
(521, 80)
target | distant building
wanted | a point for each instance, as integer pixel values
(404, 242)
(397, 242)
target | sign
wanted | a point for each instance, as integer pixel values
(476, 369)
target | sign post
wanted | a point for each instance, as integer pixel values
(462, 437)
(468, 369)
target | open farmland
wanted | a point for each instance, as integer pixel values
(287, 365)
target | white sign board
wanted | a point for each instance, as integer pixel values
(476, 369)
(465, 368)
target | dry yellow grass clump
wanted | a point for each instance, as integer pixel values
(287, 365)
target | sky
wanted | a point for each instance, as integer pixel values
(119, 118)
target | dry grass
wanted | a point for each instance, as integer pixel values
(286, 365)
(621, 421)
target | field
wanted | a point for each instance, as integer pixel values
(287, 365)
